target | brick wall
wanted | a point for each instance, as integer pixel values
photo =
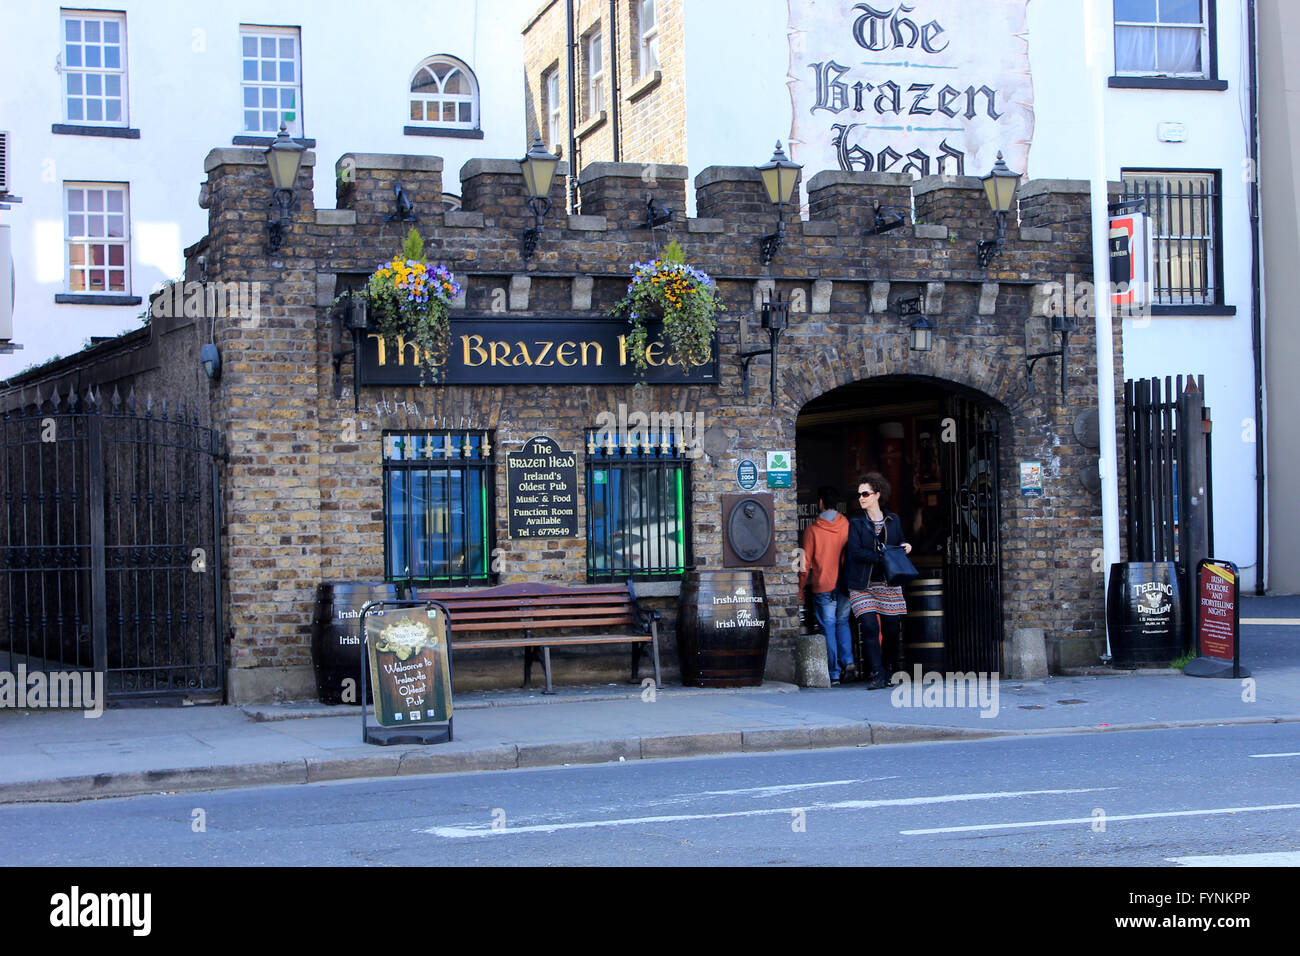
(649, 112)
(303, 491)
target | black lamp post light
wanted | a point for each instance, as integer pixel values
(921, 330)
(538, 167)
(775, 317)
(284, 158)
(778, 174)
(1000, 188)
(1062, 325)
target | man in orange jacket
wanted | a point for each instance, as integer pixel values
(823, 549)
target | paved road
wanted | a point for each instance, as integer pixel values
(1145, 798)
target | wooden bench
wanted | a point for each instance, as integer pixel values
(532, 616)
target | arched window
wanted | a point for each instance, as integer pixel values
(444, 93)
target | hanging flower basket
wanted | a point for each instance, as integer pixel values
(687, 300)
(410, 301)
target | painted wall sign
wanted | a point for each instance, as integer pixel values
(543, 350)
(409, 672)
(542, 489)
(927, 88)
(747, 474)
(780, 469)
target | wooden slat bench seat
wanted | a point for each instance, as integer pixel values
(533, 616)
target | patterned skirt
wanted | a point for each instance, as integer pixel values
(878, 599)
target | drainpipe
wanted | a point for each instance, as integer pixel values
(1256, 319)
(573, 108)
(1095, 32)
(613, 77)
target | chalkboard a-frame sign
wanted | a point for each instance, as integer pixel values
(407, 659)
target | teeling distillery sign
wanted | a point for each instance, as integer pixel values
(922, 88)
(542, 483)
(544, 350)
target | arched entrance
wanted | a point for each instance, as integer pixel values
(937, 444)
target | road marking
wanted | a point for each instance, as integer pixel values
(478, 831)
(1289, 621)
(1297, 754)
(785, 788)
(1109, 818)
(1240, 859)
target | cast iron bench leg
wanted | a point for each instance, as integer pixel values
(654, 654)
(546, 666)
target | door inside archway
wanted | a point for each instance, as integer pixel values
(937, 445)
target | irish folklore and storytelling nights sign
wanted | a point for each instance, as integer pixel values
(542, 484)
(927, 88)
(542, 350)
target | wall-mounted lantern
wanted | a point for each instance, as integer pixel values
(921, 329)
(1000, 188)
(775, 316)
(1062, 325)
(284, 158)
(538, 167)
(779, 175)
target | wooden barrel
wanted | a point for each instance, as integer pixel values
(723, 628)
(336, 635)
(923, 627)
(1144, 613)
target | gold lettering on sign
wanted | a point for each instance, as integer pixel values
(500, 350)
(523, 358)
(379, 339)
(622, 350)
(546, 350)
(600, 352)
(402, 346)
(653, 353)
(473, 344)
(564, 354)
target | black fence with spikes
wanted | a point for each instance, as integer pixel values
(109, 560)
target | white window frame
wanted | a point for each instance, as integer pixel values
(259, 84)
(593, 56)
(86, 240)
(443, 99)
(647, 38)
(551, 106)
(81, 74)
(1203, 30)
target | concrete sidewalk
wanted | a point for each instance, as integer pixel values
(60, 755)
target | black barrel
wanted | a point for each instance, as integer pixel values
(1144, 613)
(923, 627)
(723, 629)
(336, 635)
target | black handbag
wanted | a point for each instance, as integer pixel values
(897, 565)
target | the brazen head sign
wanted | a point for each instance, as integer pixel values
(927, 88)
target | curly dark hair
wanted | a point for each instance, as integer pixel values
(879, 483)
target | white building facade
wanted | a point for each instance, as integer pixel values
(107, 116)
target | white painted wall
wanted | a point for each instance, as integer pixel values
(737, 65)
(184, 96)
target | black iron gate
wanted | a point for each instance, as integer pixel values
(972, 578)
(109, 548)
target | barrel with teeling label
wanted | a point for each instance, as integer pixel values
(1144, 613)
(336, 636)
(723, 629)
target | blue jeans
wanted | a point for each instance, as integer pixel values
(833, 616)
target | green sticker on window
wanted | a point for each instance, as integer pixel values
(598, 477)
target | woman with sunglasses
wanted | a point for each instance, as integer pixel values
(874, 602)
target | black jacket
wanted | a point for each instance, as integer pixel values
(862, 554)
